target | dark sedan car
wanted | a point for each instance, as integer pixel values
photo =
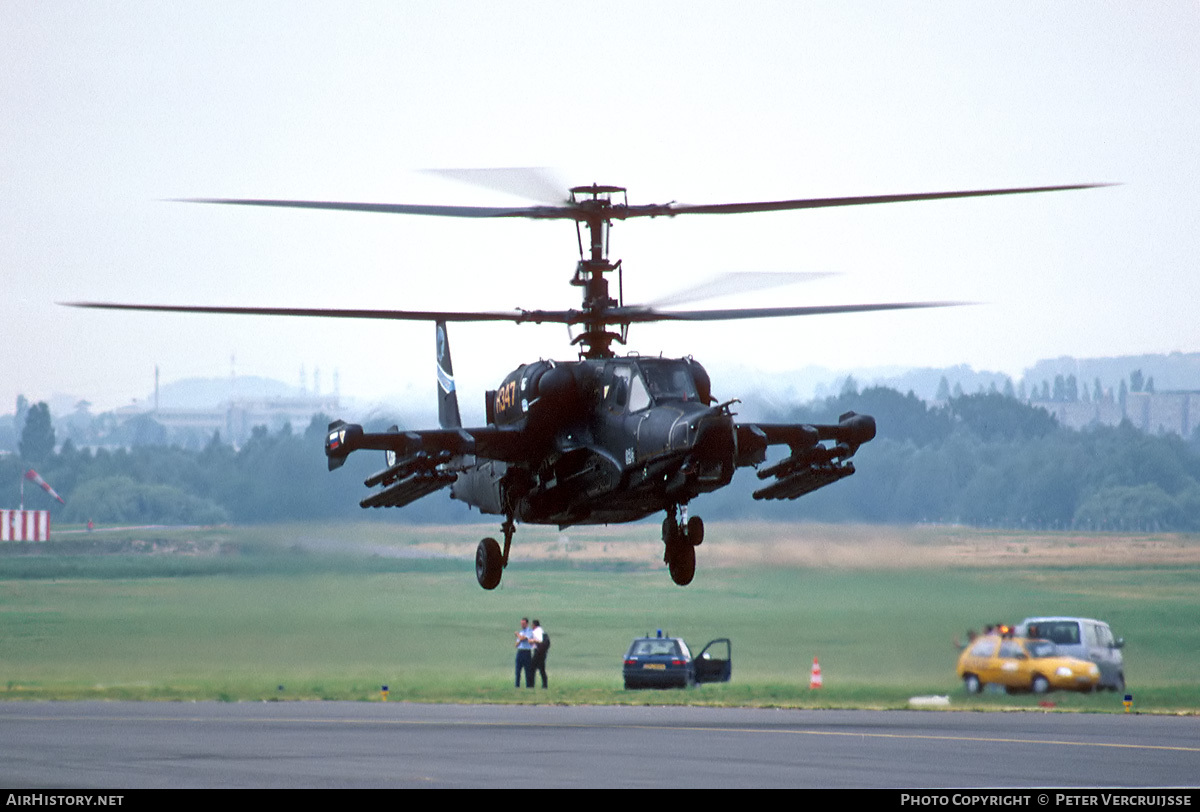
(666, 662)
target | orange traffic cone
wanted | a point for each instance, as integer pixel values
(815, 680)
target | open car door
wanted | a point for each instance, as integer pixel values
(715, 662)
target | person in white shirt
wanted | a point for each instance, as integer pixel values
(524, 653)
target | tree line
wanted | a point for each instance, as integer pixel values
(272, 477)
(989, 460)
(985, 459)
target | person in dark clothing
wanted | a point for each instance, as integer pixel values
(541, 647)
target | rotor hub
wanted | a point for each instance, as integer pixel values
(597, 209)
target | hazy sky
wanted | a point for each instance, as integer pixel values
(110, 108)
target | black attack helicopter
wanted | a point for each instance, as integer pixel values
(605, 438)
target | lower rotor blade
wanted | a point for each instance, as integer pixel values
(322, 312)
(646, 315)
(613, 315)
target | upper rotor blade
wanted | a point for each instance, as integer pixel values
(621, 211)
(534, 212)
(531, 182)
(671, 209)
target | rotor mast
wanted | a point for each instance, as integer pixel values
(595, 206)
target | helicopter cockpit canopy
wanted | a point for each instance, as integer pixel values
(668, 379)
(638, 383)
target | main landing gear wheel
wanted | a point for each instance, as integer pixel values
(682, 563)
(489, 563)
(681, 551)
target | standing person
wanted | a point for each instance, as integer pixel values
(541, 647)
(525, 653)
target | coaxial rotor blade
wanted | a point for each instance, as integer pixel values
(620, 211)
(735, 282)
(534, 212)
(612, 315)
(640, 315)
(321, 312)
(531, 182)
(671, 209)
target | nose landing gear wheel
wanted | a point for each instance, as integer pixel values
(489, 564)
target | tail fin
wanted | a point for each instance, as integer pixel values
(448, 415)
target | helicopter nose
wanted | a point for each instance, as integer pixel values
(713, 442)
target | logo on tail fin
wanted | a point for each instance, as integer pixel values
(448, 414)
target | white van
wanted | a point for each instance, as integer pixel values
(1084, 638)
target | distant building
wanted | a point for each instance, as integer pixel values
(1164, 412)
(1080, 414)
(235, 419)
(1151, 412)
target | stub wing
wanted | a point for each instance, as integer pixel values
(418, 462)
(819, 454)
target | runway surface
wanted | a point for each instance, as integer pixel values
(345, 744)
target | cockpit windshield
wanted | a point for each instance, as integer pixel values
(668, 379)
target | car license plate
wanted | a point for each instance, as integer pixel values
(655, 666)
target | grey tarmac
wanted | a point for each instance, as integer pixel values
(377, 744)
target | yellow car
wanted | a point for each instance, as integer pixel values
(1023, 664)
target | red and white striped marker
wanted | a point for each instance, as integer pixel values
(36, 478)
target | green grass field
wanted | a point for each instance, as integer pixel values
(336, 612)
